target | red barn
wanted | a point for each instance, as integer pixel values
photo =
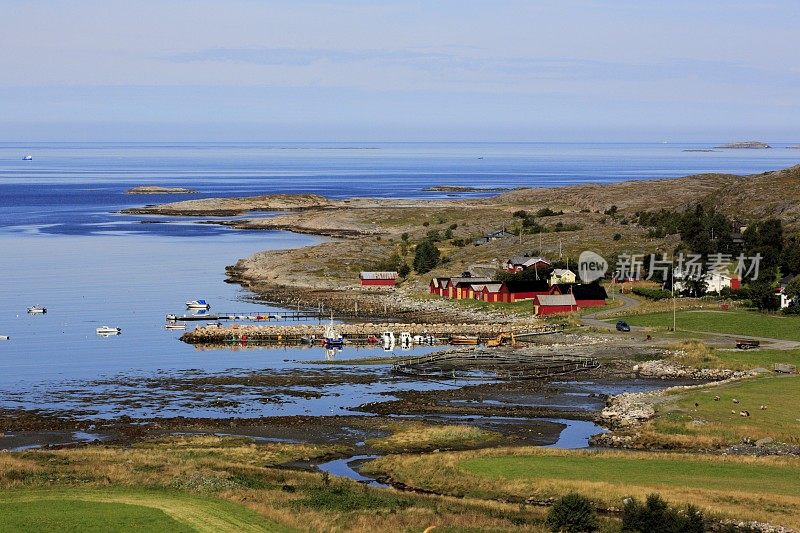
(551, 304)
(381, 279)
(438, 286)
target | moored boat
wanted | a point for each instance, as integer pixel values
(198, 304)
(108, 330)
(174, 325)
(5, 338)
(37, 310)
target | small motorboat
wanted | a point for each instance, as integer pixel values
(108, 330)
(28, 158)
(214, 324)
(198, 304)
(174, 325)
(37, 310)
(172, 316)
(5, 338)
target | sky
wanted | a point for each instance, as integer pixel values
(250, 70)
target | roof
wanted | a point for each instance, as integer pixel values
(589, 291)
(556, 299)
(562, 271)
(469, 281)
(533, 285)
(378, 275)
(493, 287)
(500, 233)
(526, 261)
(785, 280)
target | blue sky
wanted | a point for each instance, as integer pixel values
(460, 70)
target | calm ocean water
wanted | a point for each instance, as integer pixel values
(64, 247)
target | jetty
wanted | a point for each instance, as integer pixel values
(358, 334)
(263, 316)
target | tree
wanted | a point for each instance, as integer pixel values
(655, 516)
(572, 514)
(762, 294)
(792, 290)
(765, 238)
(404, 270)
(426, 256)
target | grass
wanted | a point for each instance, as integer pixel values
(408, 437)
(208, 483)
(75, 515)
(752, 488)
(733, 322)
(694, 416)
(123, 510)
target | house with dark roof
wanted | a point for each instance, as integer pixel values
(586, 295)
(517, 290)
(520, 263)
(493, 236)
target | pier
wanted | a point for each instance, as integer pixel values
(358, 334)
(265, 316)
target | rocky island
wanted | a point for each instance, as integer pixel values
(154, 189)
(749, 145)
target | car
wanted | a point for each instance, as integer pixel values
(623, 326)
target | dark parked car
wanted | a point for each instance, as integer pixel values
(623, 326)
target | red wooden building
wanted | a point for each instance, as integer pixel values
(586, 295)
(381, 279)
(551, 304)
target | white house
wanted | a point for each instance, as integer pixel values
(781, 292)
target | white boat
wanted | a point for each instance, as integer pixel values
(174, 325)
(5, 338)
(108, 330)
(387, 338)
(405, 340)
(28, 158)
(332, 337)
(37, 310)
(172, 316)
(198, 304)
(214, 324)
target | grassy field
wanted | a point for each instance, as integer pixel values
(745, 487)
(734, 322)
(123, 510)
(208, 483)
(695, 417)
(407, 437)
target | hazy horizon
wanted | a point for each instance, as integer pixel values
(351, 71)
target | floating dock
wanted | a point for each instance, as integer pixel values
(265, 316)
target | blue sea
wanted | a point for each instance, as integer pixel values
(64, 245)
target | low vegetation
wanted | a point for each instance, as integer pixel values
(407, 437)
(730, 486)
(732, 322)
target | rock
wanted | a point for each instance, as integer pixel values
(760, 443)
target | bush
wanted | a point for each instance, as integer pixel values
(617, 236)
(652, 294)
(520, 214)
(655, 516)
(547, 212)
(572, 514)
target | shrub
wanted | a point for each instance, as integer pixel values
(404, 270)
(617, 236)
(572, 514)
(652, 294)
(520, 214)
(655, 516)
(452, 227)
(547, 212)
(426, 223)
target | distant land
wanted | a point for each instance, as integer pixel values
(750, 145)
(699, 150)
(794, 147)
(463, 188)
(153, 189)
